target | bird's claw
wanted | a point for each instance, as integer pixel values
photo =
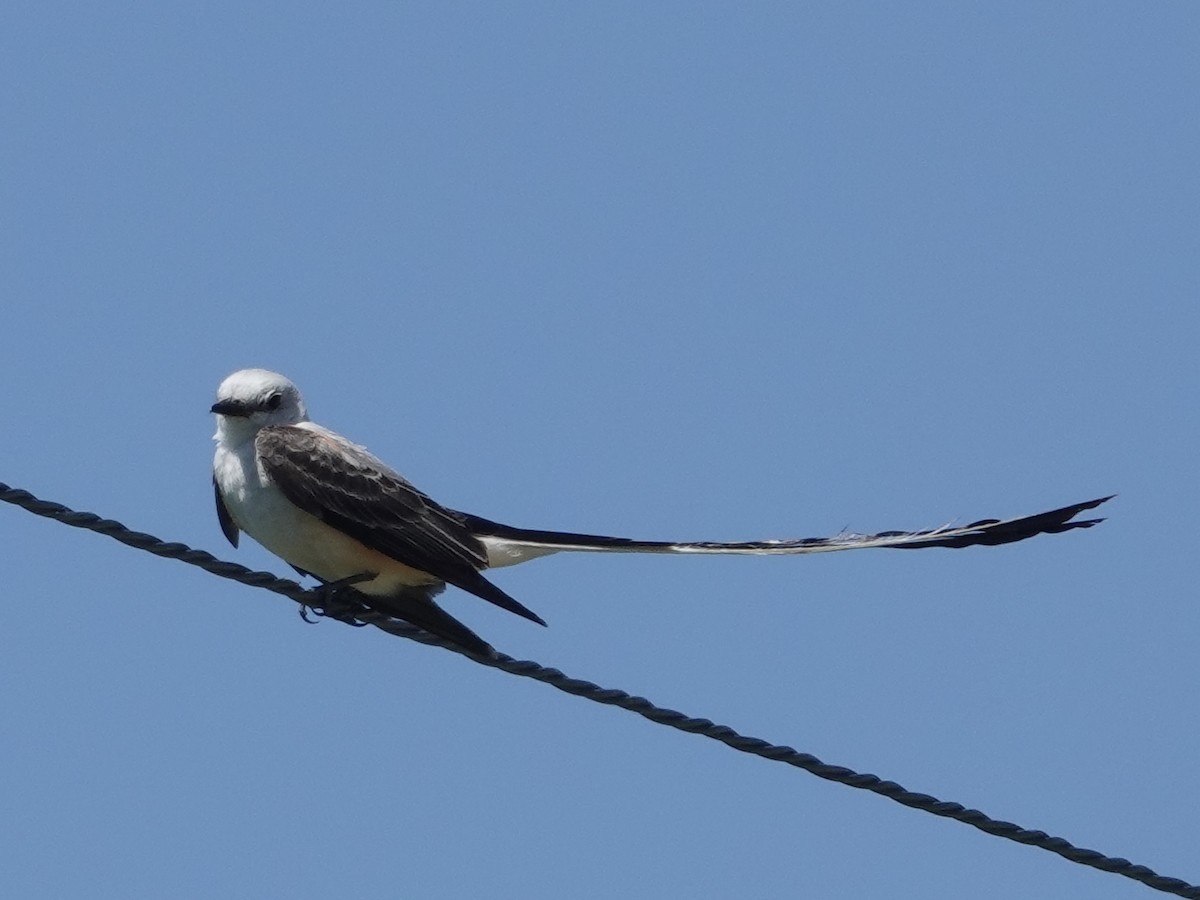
(335, 600)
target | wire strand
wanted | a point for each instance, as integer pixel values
(609, 696)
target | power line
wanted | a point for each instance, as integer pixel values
(354, 613)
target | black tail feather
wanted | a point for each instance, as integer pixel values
(418, 608)
(476, 584)
(992, 532)
(986, 532)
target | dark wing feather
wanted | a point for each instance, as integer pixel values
(228, 528)
(348, 488)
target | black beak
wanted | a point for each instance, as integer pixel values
(231, 408)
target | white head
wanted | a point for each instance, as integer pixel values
(251, 398)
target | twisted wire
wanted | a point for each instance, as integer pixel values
(355, 614)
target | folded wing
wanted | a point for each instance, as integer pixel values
(353, 491)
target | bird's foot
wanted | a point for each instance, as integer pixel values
(337, 600)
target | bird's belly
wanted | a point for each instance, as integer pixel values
(310, 544)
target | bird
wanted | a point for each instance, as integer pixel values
(335, 512)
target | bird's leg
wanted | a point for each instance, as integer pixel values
(335, 600)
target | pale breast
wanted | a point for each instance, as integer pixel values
(260, 509)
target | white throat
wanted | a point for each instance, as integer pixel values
(233, 431)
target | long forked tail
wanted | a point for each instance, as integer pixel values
(507, 545)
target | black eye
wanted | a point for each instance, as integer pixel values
(274, 400)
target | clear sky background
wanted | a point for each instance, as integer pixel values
(681, 271)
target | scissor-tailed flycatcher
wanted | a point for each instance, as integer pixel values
(335, 512)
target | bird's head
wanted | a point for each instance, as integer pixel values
(251, 398)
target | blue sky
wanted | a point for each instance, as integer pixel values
(672, 271)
